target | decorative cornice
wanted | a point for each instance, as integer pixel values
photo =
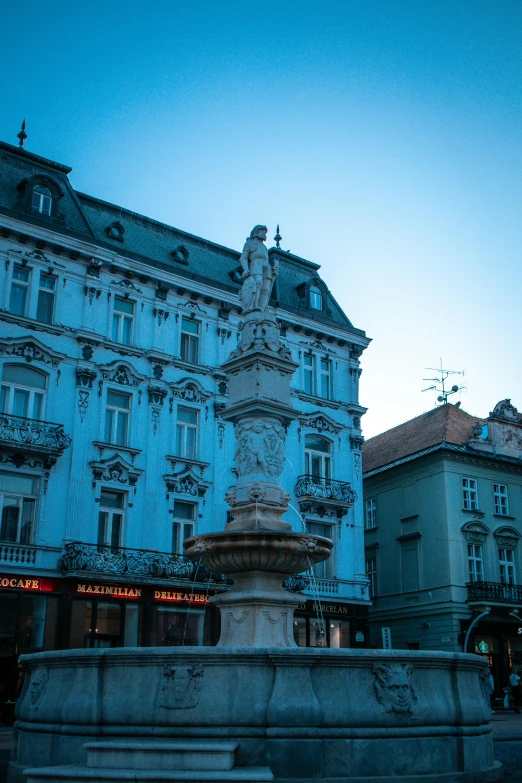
(30, 350)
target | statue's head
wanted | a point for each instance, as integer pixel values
(259, 232)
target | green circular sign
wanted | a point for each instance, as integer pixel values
(483, 646)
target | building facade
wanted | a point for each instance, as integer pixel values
(443, 516)
(113, 330)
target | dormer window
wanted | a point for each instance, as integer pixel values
(180, 254)
(316, 298)
(42, 200)
(115, 231)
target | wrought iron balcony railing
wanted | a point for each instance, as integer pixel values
(316, 488)
(494, 592)
(19, 432)
(123, 562)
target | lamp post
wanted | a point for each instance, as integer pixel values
(486, 611)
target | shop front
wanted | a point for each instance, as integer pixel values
(498, 638)
(330, 624)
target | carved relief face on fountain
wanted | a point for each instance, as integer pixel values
(393, 687)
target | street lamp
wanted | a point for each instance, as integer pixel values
(487, 610)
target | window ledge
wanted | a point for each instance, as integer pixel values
(195, 463)
(200, 369)
(504, 516)
(318, 400)
(371, 529)
(31, 323)
(408, 518)
(123, 350)
(475, 511)
(103, 446)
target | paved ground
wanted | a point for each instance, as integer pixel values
(507, 736)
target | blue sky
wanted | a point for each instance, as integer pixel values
(383, 135)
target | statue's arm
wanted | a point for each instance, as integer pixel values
(243, 259)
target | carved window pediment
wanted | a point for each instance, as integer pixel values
(190, 390)
(320, 422)
(31, 350)
(115, 470)
(186, 482)
(506, 537)
(476, 532)
(121, 373)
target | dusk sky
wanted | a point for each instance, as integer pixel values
(384, 136)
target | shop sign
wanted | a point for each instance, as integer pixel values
(25, 583)
(191, 598)
(359, 636)
(520, 631)
(117, 591)
(320, 608)
(386, 638)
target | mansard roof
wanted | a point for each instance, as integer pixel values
(445, 424)
(154, 243)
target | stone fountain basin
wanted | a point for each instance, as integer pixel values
(343, 716)
(258, 550)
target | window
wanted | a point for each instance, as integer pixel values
(22, 392)
(316, 298)
(318, 460)
(470, 494)
(317, 371)
(322, 570)
(371, 514)
(507, 566)
(18, 495)
(500, 495)
(117, 418)
(371, 573)
(42, 200)
(475, 564)
(45, 309)
(110, 518)
(187, 433)
(183, 526)
(19, 291)
(189, 348)
(122, 321)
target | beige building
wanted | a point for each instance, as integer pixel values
(443, 518)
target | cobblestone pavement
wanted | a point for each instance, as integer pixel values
(507, 736)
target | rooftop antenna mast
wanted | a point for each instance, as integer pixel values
(439, 383)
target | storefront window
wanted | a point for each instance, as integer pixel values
(179, 627)
(317, 633)
(8, 614)
(339, 633)
(32, 621)
(300, 631)
(95, 624)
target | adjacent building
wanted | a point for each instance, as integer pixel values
(443, 518)
(113, 330)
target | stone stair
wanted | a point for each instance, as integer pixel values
(121, 761)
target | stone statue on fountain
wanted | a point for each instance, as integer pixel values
(258, 273)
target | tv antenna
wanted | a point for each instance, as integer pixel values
(439, 383)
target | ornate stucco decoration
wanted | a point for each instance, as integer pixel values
(186, 482)
(393, 687)
(260, 449)
(121, 373)
(127, 285)
(506, 411)
(115, 470)
(85, 377)
(356, 442)
(506, 536)
(93, 267)
(193, 306)
(476, 532)
(320, 422)
(92, 293)
(156, 395)
(190, 390)
(31, 350)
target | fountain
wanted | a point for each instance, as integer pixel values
(256, 707)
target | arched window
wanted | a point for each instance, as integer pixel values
(318, 459)
(42, 200)
(316, 298)
(23, 391)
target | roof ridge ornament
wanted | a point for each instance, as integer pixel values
(22, 135)
(278, 238)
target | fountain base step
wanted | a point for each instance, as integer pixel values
(154, 762)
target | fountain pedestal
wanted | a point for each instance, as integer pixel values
(258, 549)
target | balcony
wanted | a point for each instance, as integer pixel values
(21, 436)
(322, 495)
(122, 563)
(494, 593)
